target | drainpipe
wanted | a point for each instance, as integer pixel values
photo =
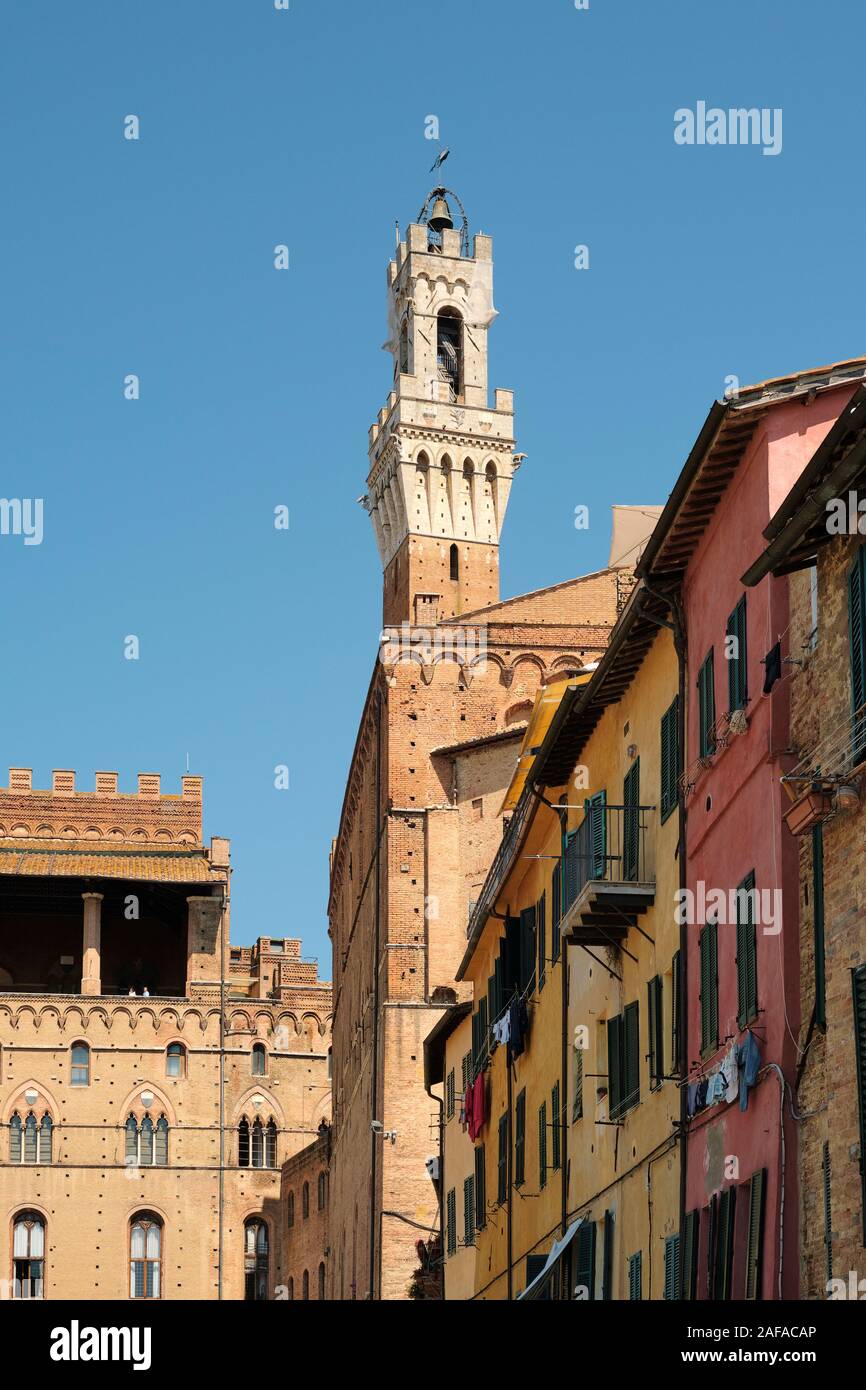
(374, 1097)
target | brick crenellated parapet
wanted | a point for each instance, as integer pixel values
(61, 812)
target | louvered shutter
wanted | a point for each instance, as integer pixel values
(572, 850)
(754, 1249)
(585, 1273)
(670, 762)
(672, 1268)
(469, 1211)
(480, 1190)
(577, 1106)
(542, 1145)
(555, 909)
(527, 947)
(859, 978)
(747, 963)
(631, 1034)
(595, 811)
(607, 1257)
(707, 705)
(676, 1002)
(635, 1277)
(556, 1121)
(614, 1065)
(541, 939)
(520, 1140)
(709, 986)
(690, 1256)
(653, 991)
(502, 1161)
(631, 823)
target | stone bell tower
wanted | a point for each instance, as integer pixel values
(441, 457)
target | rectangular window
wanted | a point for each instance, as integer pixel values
(541, 937)
(818, 925)
(747, 952)
(676, 1006)
(451, 1221)
(672, 1268)
(584, 1276)
(859, 981)
(623, 1060)
(635, 1277)
(670, 759)
(520, 1140)
(755, 1246)
(631, 823)
(542, 1145)
(709, 950)
(577, 1103)
(502, 1162)
(468, 1211)
(556, 1121)
(527, 949)
(555, 909)
(656, 1033)
(593, 838)
(707, 707)
(724, 1260)
(449, 1095)
(607, 1257)
(735, 651)
(480, 1190)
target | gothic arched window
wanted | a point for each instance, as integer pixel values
(404, 348)
(257, 1144)
(145, 1255)
(290, 1210)
(305, 1200)
(260, 1060)
(30, 1141)
(454, 562)
(306, 1284)
(146, 1143)
(323, 1189)
(256, 1259)
(28, 1255)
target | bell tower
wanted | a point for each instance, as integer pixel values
(441, 456)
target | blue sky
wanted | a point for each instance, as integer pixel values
(306, 127)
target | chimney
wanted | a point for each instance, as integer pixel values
(63, 781)
(191, 787)
(106, 784)
(148, 784)
(20, 779)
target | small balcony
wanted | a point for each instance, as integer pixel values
(609, 882)
(828, 781)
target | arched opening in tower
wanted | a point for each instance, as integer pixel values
(449, 351)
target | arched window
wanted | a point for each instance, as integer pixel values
(449, 350)
(454, 562)
(145, 1255)
(175, 1060)
(322, 1280)
(28, 1255)
(291, 1290)
(305, 1200)
(30, 1141)
(255, 1260)
(80, 1075)
(146, 1143)
(260, 1060)
(290, 1210)
(404, 347)
(306, 1284)
(323, 1190)
(257, 1144)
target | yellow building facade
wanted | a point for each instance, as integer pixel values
(573, 955)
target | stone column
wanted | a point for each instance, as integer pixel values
(91, 954)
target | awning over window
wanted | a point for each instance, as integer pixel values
(538, 1287)
(547, 702)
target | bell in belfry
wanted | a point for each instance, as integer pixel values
(440, 218)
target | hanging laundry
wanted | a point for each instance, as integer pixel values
(691, 1098)
(701, 1097)
(466, 1117)
(749, 1058)
(501, 1029)
(731, 1074)
(516, 1011)
(716, 1088)
(772, 667)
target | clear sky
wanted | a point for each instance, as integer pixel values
(307, 127)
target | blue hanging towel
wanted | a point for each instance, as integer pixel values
(749, 1062)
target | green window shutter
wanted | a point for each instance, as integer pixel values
(607, 1258)
(857, 636)
(499, 987)
(573, 870)
(690, 1256)
(707, 706)
(468, 1211)
(541, 937)
(614, 1065)
(542, 1145)
(502, 1162)
(828, 1211)
(755, 1245)
(654, 1023)
(672, 1268)
(527, 948)
(451, 1216)
(738, 693)
(747, 953)
(631, 1048)
(709, 986)
(480, 1190)
(859, 979)
(492, 1011)
(449, 1095)
(670, 760)
(577, 1103)
(520, 1140)
(631, 823)
(466, 1068)
(556, 1121)
(585, 1273)
(818, 924)
(483, 1032)
(595, 817)
(555, 909)
(635, 1277)
(676, 1006)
